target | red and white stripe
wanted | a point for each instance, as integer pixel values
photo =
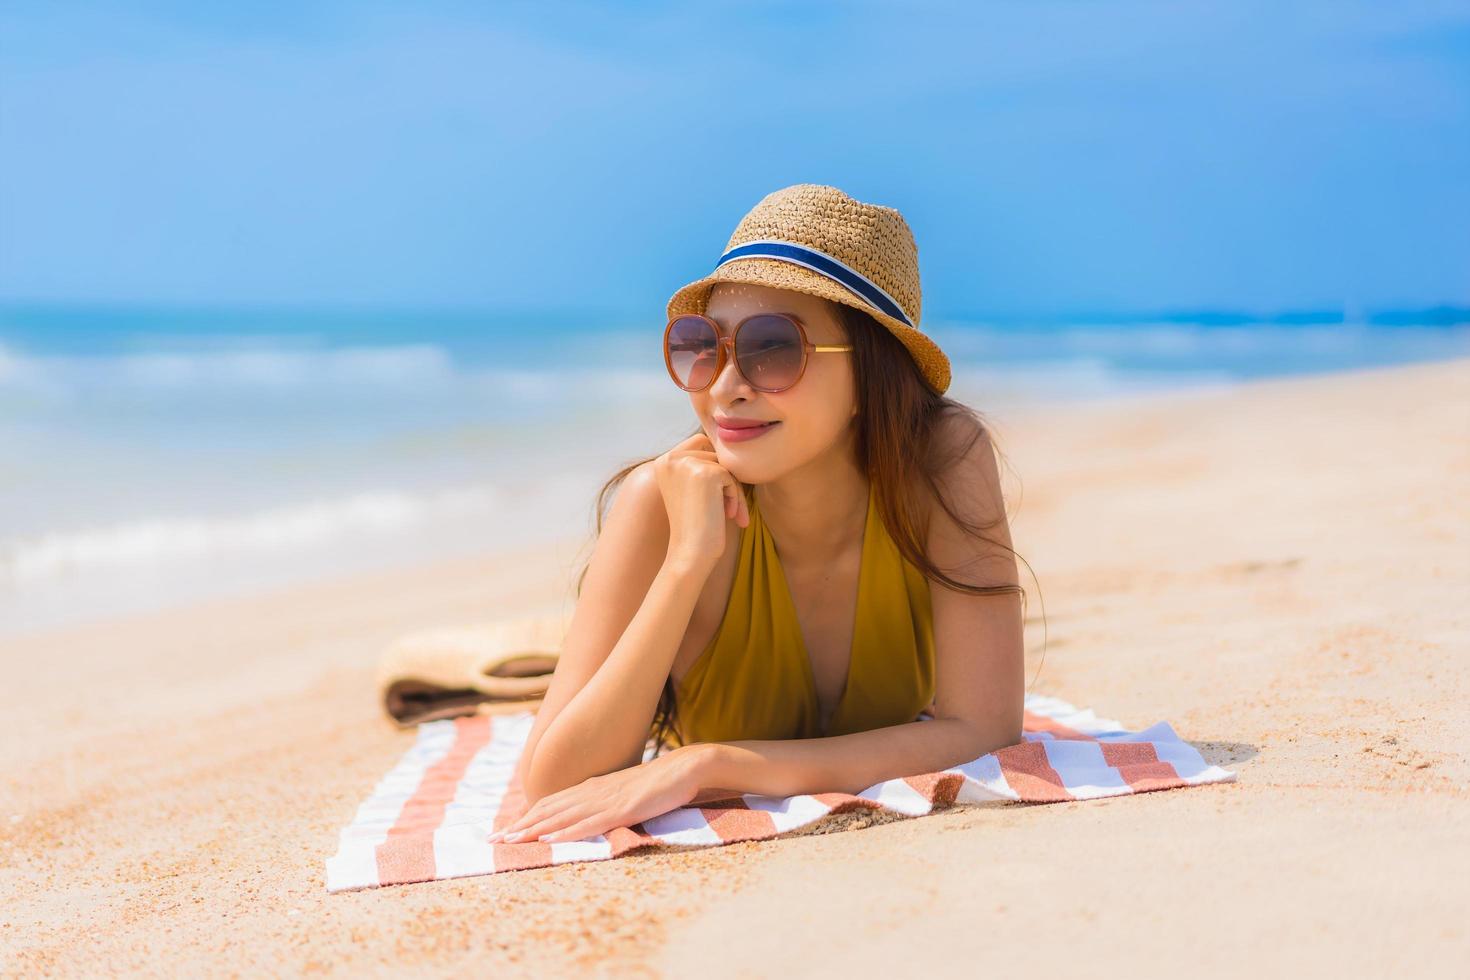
(430, 816)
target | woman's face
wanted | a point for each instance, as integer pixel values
(812, 416)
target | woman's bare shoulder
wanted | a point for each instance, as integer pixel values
(636, 529)
(960, 447)
(963, 458)
(956, 432)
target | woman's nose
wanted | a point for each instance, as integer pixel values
(729, 376)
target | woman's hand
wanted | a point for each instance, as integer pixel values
(700, 495)
(617, 799)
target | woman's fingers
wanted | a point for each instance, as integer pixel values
(536, 828)
(543, 808)
(517, 825)
(550, 813)
(568, 822)
(596, 824)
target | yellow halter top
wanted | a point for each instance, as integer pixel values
(754, 680)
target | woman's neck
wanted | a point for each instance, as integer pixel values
(815, 514)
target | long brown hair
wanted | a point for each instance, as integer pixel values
(897, 422)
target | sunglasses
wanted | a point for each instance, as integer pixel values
(770, 350)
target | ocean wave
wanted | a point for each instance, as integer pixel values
(243, 367)
(346, 379)
(999, 385)
(1190, 346)
(160, 540)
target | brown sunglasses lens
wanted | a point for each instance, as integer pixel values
(768, 348)
(693, 349)
(769, 351)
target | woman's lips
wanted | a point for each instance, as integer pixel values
(728, 434)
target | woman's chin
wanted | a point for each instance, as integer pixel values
(740, 469)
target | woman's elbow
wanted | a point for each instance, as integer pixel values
(544, 776)
(981, 740)
(539, 779)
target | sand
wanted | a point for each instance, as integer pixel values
(1280, 570)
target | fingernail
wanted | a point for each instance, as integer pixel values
(515, 836)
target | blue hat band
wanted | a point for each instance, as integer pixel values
(835, 269)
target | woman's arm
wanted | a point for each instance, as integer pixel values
(837, 763)
(666, 532)
(705, 771)
(605, 726)
(628, 624)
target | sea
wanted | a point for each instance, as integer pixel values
(153, 457)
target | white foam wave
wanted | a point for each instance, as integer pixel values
(160, 540)
(250, 368)
(1191, 344)
(331, 378)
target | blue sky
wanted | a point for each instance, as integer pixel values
(1051, 157)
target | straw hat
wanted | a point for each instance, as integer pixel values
(815, 239)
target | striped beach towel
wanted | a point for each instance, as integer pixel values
(429, 817)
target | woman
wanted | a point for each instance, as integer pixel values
(786, 591)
